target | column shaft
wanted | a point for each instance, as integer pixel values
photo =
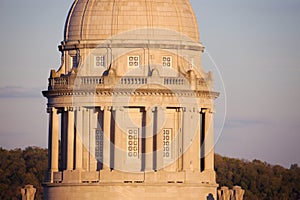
(85, 138)
(93, 126)
(209, 141)
(53, 140)
(180, 139)
(155, 139)
(70, 141)
(149, 140)
(185, 140)
(160, 121)
(79, 136)
(106, 138)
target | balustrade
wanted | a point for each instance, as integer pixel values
(67, 82)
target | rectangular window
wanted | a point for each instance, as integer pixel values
(133, 143)
(133, 61)
(167, 61)
(167, 139)
(99, 146)
(74, 61)
(99, 61)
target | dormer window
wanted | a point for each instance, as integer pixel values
(74, 62)
(133, 61)
(167, 61)
(75, 58)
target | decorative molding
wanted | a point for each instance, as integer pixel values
(137, 92)
(101, 44)
(207, 110)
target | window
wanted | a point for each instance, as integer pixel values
(167, 61)
(99, 61)
(99, 145)
(133, 143)
(167, 138)
(74, 62)
(133, 61)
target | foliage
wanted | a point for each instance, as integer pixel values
(19, 168)
(260, 180)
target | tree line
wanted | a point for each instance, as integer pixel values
(19, 168)
(260, 180)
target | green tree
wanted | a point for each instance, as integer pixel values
(19, 168)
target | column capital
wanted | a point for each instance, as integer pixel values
(106, 108)
(191, 109)
(153, 109)
(113, 108)
(180, 109)
(70, 109)
(78, 108)
(51, 109)
(148, 109)
(161, 108)
(207, 110)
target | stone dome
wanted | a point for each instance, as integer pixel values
(90, 20)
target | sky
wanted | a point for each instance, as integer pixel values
(251, 46)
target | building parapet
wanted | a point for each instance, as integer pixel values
(88, 82)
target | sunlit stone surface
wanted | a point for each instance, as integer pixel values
(131, 107)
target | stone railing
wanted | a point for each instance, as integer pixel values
(90, 80)
(67, 82)
(134, 80)
(82, 82)
(174, 81)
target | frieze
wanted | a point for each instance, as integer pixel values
(137, 92)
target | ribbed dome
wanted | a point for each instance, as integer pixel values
(104, 19)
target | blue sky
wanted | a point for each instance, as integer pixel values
(254, 44)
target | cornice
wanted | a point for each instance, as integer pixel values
(78, 45)
(129, 92)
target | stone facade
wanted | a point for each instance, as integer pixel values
(131, 105)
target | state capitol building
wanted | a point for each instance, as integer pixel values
(131, 106)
